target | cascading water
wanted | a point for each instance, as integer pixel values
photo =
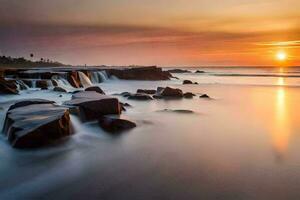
(50, 84)
(62, 82)
(103, 75)
(98, 76)
(85, 81)
(21, 85)
(95, 77)
(33, 83)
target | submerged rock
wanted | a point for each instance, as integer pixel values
(187, 82)
(96, 89)
(168, 93)
(140, 96)
(188, 95)
(113, 125)
(204, 96)
(146, 91)
(93, 105)
(59, 89)
(8, 87)
(179, 71)
(199, 71)
(178, 111)
(126, 94)
(36, 125)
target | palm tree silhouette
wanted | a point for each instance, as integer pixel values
(31, 55)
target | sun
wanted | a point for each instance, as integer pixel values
(281, 56)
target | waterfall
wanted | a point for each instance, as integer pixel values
(85, 81)
(113, 77)
(76, 124)
(99, 76)
(103, 75)
(33, 83)
(21, 85)
(50, 84)
(95, 77)
(62, 82)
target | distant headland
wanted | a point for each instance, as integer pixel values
(10, 62)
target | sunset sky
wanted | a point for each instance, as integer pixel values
(149, 32)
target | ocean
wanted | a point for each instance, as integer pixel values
(243, 143)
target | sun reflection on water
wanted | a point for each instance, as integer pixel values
(281, 132)
(280, 81)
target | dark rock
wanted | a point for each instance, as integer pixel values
(27, 102)
(171, 92)
(140, 73)
(8, 87)
(196, 83)
(188, 95)
(93, 105)
(140, 96)
(187, 82)
(54, 83)
(113, 125)
(179, 71)
(36, 125)
(204, 96)
(73, 79)
(146, 91)
(42, 84)
(199, 71)
(126, 94)
(178, 111)
(159, 90)
(157, 96)
(95, 88)
(59, 89)
(76, 91)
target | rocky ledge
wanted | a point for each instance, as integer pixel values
(91, 105)
(115, 125)
(76, 77)
(8, 87)
(142, 73)
(159, 93)
(35, 123)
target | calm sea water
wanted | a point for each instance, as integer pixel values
(242, 144)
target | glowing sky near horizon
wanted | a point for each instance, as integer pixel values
(148, 32)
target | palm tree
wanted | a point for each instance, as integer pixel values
(31, 55)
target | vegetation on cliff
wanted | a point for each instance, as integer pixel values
(7, 61)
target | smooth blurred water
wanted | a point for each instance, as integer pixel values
(289, 76)
(242, 144)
